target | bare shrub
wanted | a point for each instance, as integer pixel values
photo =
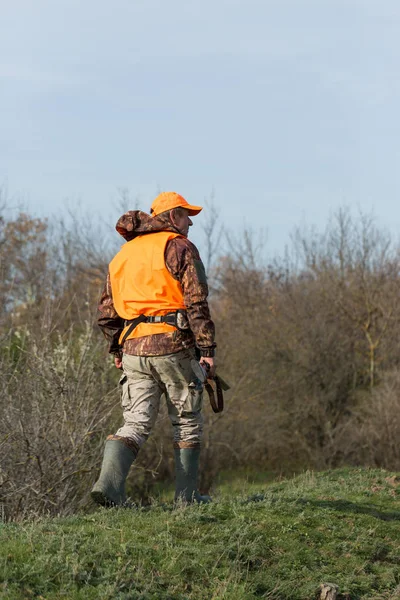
(302, 340)
(57, 390)
(371, 435)
(56, 405)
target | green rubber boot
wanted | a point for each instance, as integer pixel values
(186, 470)
(109, 489)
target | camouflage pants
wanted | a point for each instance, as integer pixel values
(145, 380)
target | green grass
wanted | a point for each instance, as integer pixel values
(279, 540)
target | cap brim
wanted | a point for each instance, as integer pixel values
(193, 210)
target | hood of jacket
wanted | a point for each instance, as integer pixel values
(137, 222)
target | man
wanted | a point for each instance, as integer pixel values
(154, 308)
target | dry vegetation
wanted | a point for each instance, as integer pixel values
(309, 344)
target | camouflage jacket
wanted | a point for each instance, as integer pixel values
(183, 261)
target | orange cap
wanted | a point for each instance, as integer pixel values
(168, 201)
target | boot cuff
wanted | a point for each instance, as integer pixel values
(186, 444)
(128, 442)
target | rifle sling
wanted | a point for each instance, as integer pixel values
(216, 405)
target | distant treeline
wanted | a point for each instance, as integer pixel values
(309, 344)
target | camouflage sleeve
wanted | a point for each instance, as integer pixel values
(184, 263)
(108, 320)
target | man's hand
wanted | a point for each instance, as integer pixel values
(210, 365)
(118, 362)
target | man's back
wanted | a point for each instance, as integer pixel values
(153, 312)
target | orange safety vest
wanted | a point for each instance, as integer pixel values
(142, 285)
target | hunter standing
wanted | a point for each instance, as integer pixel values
(155, 316)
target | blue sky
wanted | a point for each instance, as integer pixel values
(285, 110)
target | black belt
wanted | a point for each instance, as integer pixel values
(169, 318)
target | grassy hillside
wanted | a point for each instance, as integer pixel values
(279, 540)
